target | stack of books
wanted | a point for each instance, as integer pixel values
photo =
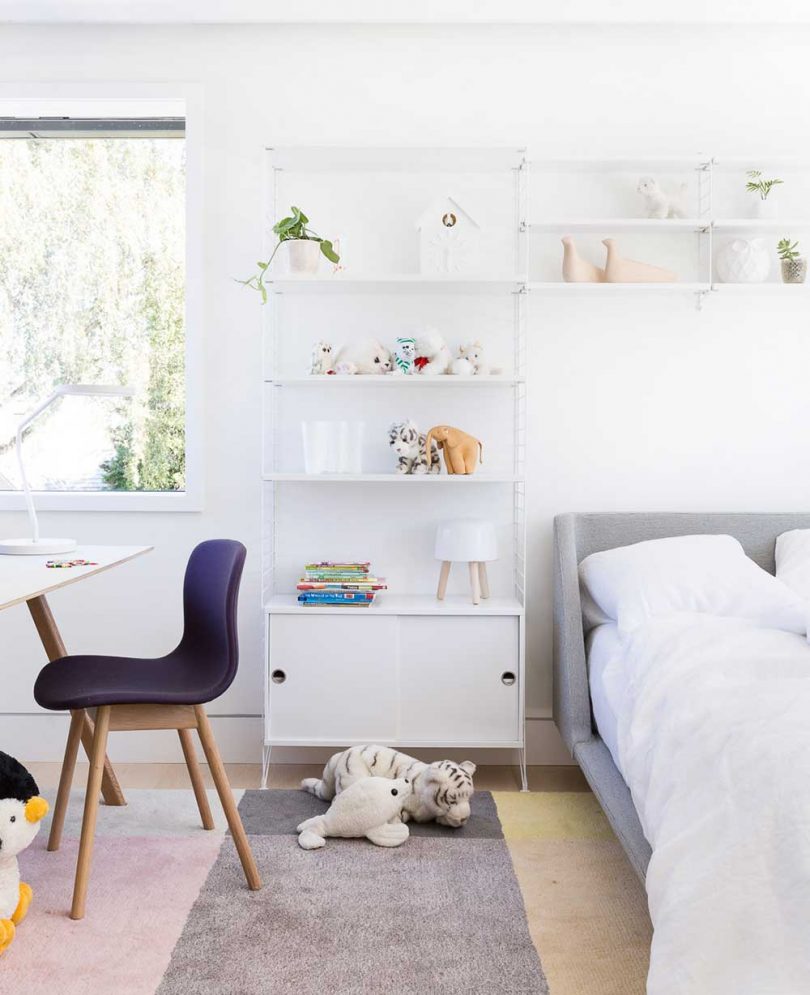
(349, 584)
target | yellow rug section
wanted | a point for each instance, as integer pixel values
(587, 910)
(551, 815)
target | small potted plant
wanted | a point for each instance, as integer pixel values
(305, 249)
(765, 207)
(794, 266)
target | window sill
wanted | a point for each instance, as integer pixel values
(104, 501)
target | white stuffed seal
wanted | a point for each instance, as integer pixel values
(370, 807)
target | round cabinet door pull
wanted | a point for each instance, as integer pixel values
(508, 678)
(278, 677)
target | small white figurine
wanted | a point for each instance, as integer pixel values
(658, 203)
(321, 358)
(405, 355)
(371, 807)
(470, 361)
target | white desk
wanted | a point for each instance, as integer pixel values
(27, 579)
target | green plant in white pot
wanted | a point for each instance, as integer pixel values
(765, 205)
(304, 246)
(794, 265)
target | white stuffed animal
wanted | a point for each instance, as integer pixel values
(432, 354)
(21, 810)
(367, 356)
(659, 204)
(371, 807)
(470, 361)
(404, 355)
(321, 358)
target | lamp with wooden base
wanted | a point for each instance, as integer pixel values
(470, 541)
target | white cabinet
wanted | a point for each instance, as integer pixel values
(396, 679)
(331, 679)
(459, 676)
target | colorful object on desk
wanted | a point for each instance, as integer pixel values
(66, 564)
(21, 811)
(343, 584)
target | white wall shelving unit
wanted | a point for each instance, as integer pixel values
(409, 671)
(412, 671)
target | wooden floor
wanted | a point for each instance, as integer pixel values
(143, 775)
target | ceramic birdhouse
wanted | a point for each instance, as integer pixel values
(449, 240)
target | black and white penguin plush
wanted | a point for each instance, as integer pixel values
(21, 811)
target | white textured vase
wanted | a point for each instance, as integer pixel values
(743, 260)
(303, 256)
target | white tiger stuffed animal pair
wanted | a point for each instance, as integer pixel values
(410, 445)
(440, 791)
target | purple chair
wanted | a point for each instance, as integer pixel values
(169, 692)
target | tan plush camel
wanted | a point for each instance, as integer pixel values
(460, 449)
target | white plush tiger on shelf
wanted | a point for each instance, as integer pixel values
(441, 790)
(410, 445)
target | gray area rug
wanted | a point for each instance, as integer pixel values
(441, 914)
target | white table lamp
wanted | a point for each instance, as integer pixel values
(469, 541)
(36, 545)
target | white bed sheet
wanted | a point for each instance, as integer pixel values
(603, 645)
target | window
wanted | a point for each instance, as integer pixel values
(92, 291)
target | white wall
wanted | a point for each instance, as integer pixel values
(636, 404)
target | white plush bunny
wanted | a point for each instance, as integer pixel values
(370, 807)
(366, 356)
(658, 203)
(470, 361)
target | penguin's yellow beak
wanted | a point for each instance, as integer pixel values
(36, 808)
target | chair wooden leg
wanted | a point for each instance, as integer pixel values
(195, 775)
(66, 779)
(102, 726)
(226, 798)
(484, 579)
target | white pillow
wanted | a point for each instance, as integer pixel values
(793, 561)
(709, 574)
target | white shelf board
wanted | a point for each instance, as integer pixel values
(403, 479)
(412, 744)
(774, 163)
(414, 382)
(619, 164)
(400, 604)
(322, 159)
(607, 289)
(607, 225)
(775, 225)
(394, 284)
(772, 287)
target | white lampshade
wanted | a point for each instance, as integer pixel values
(470, 540)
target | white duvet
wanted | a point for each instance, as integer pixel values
(714, 739)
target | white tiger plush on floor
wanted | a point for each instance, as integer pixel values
(410, 445)
(441, 790)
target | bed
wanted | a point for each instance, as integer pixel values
(575, 537)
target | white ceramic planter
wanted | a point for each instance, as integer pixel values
(303, 256)
(743, 260)
(766, 210)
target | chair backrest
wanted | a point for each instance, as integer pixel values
(210, 597)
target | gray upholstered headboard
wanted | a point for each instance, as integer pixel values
(577, 535)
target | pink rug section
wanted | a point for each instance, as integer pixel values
(141, 891)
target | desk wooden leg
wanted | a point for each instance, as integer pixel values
(55, 649)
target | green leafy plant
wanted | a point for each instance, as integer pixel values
(289, 229)
(788, 251)
(756, 184)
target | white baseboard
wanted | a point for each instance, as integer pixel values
(41, 737)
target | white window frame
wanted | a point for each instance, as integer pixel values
(111, 99)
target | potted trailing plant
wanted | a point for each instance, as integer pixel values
(794, 266)
(305, 249)
(765, 208)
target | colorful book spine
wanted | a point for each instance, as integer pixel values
(336, 598)
(307, 585)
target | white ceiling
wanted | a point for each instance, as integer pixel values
(405, 11)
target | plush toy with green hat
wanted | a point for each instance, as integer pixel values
(21, 810)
